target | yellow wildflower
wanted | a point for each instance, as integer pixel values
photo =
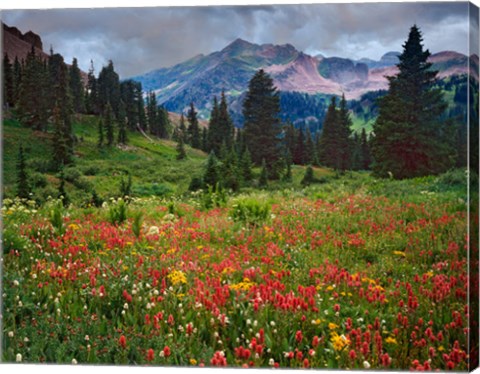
(332, 326)
(391, 340)
(193, 361)
(176, 277)
(399, 253)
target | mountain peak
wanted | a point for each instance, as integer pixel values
(238, 43)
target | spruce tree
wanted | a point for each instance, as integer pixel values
(225, 124)
(17, 79)
(214, 136)
(76, 88)
(183, 129)
(181, 153)
(109, 126)
(290, 137)
(193, 128)
(263, 180)
(309, 153)
(61, 155)
(211, 177)
(344, 133)
(33, 103)
(108, 88)
(329, 139)
(91, 93)
(308, 177)
(204, 146)
(262, 127)
(100, 133)
(246, 166)
(62, 192)
(288, 173)
(230, 170)
(152, 113)
(299, 153)
(8, 83)
(122, 124)
(365, 150)
(23, 188)
(410, 138)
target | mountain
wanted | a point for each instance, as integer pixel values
(16, 44)
(201, 77)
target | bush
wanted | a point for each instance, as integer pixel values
(37, 180)
(83, 184)
(153, 189)
(117, 213)
(250, 212)
(71, 174)
(90, 170)
(214, 197)
(56, 217)
(39, 164)
(195, 184)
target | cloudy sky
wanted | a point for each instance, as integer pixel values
(138, 40)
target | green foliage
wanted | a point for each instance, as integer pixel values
(126, 186)
(137, 223)
(410, 137)
(213, 197)
(196, 184)
(152, 189)
(211, 176)
(250, 212)
(117, 212)
(181, 154)
(263, 180)
(262, 127)
(193, 128)
(308, 178)
(108, 120)
(56, 217)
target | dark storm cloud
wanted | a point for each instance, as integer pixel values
(142, 39)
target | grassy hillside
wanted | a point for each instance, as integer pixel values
(152, 165)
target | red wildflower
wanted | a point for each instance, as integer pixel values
(150, 355)
(299, 336)
(166, 351)
(122, 341)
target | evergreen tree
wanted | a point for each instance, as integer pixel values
(344, 136)
(211, 177)
(214, 138)
(183, 129)
(91, 92)
(225, 124)
(8, 83)
(299, 153)
(329, 139)
(409, 137)
(163, 122)
(310, 153)
(357, 156)
(246, 166)
(193, 128)
(262, 128)
(62, 192)
(108, 85)
(365, 150)
(288, 173)
(23, 188)
(61, 155)
(100, 133)
(109, 126)
(152, 113)
(308, 177)
(181, 153)
(17, 79)
(231, 175)
(204, 140)
(76, 88)
(122, 124)
(290, 138)
(131, 95)
(263, 180)
(33, 103)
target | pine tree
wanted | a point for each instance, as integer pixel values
(290, 137)
(108, 85)
(183, 129)
(211, 177)
(181, 153)
(33, 104)
(76, 88)
(230, 171)
(100, 133)
(225, 124)
(299, 153)
(23, 188)
(193, 128)
(365, 151)
(409, 137)
(8, 83)
(357, 156)
(109, 126)
(329, 139)
(263, 180)
(344, 136)
(163, 122)
(122, 124)
(246, 166)
(288, 173)
(214, 138)
(308, 177)
(17, 79)
(204, 146)
(91, 93)
(61, 155)
(152, 113)
(62, 192)
(262, 127)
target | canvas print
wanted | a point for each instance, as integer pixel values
(258, 186)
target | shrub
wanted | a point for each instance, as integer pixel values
(214, 197)
(71, 174)
(137, 224)
(117, 212)
(56, 217)
(38, 180)
(39, 164)
(250, 212)
(195, 184)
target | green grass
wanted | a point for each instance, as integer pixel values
(149, 162)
